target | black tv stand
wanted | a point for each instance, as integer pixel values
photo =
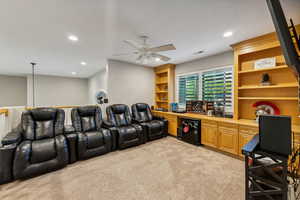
(266, 173)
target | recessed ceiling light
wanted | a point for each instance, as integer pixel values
(74, 73)
(157, 59)
(73, 38)
(228, 34)
(83, 63)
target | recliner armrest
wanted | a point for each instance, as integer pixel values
(6, 163)
(137, 121)
(69, 129)
(113, 131)
(107, 124)
(13, 137)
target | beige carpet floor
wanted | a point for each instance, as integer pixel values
(165, 169)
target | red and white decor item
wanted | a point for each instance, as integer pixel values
(265, 108)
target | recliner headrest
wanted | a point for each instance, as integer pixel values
(43, 114)
(87, 111)
(141, 106)
(119, 108)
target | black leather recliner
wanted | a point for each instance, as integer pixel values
(127, 133)
(156, 127)
(93, 139)
(36, 146)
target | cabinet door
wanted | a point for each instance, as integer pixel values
(172, 121)
(228, 138)
(209, 134)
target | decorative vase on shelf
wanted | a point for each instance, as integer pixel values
(265, 80)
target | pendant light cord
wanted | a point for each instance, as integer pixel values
(33, 84)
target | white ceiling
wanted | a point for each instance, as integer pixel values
(37, 30)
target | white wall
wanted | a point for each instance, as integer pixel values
(13, 91)
(130, 83)
(96, 83)
(58, 91)
(215, 61)
(3, 129)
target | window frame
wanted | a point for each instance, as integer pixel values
(200, 72)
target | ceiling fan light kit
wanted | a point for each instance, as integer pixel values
(146, 54)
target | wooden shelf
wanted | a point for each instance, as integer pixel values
(162, 72)
(160, 83)
(162, 92)
(161, 101)
(270, 98)
(265, 69)
(285, 85)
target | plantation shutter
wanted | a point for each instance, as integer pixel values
(217, 86)
(188, 86)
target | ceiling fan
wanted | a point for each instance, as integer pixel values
(145, 53)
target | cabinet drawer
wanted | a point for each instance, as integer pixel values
(209, 122)
(248, 130)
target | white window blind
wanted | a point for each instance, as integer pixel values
(217, 86)
(214, 85)
(188, 88)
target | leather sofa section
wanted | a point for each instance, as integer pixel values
(92, 137)
(154, 127)
(39, 144)
(126, 132)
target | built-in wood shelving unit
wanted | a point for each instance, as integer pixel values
(283, 91)
(164, 85)
(263, 70)
(283, 85)
(270, 98)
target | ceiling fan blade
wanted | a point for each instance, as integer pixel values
(125, 54)
(132, 44)
(163, 58)
(167, 47)
(139, 58)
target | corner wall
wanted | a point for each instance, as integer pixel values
(130, 83)
(57, 91)
(13, 91)
(96, 83)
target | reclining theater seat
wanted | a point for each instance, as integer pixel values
(40, 144)
(156, 127)
(128, 134)
(93, 140)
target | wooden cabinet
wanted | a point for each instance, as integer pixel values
(209, 133)
(246, 133)
(228, 137)
(172, 120)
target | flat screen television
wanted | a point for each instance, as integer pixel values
(284, 35)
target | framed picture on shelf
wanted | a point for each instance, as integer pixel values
(265, 63)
